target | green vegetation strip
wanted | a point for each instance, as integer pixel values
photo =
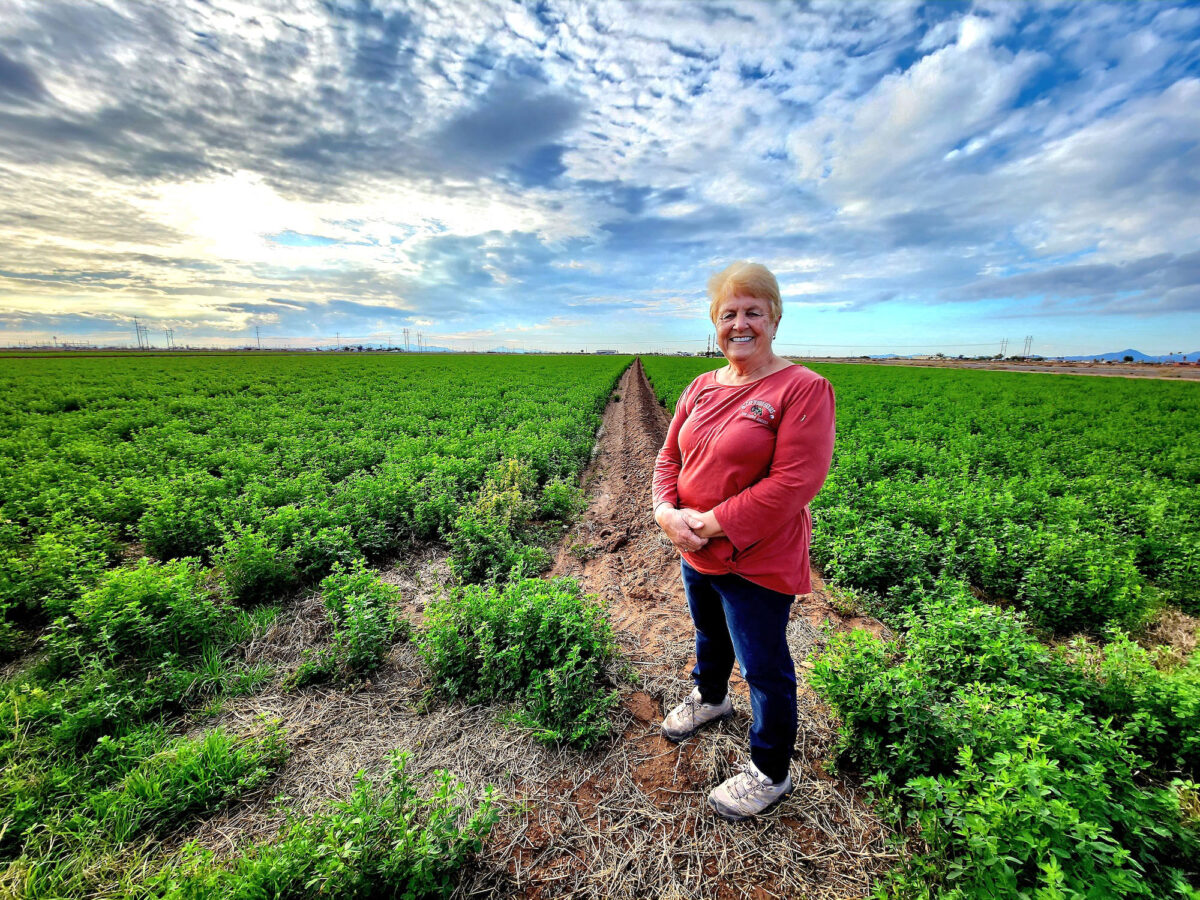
(243, 479)
(541, 643)
(1071, 504)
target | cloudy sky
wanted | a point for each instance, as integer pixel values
(567, 174)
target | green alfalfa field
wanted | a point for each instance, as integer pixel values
(1032, 730)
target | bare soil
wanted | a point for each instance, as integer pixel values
(630, 820)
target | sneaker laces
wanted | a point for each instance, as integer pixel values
(692, 705)
(748, 783)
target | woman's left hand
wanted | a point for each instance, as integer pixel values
(709, 526)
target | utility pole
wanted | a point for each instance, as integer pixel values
(339, 340)
(258, 336)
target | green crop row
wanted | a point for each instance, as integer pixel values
(91, 774)
(277, 468)
(1028, 772)
(244, 479)
(1074, 498)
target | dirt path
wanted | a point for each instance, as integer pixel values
(628, 821)
(617, 551)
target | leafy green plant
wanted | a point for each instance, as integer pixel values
(486, 541)
(139, 615)
(1155, 703)
(540, 644)
(256, 569)
(185, 521)
(364, 614)
(1006, 756)
(385, 840)
(562, 500)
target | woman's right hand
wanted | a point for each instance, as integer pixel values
(679, 525)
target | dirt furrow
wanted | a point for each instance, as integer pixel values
(616, 551)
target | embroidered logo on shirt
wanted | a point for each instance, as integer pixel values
(758, 410)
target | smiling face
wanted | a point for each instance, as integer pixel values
(745, 332)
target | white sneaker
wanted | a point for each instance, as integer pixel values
(748, 794)
(693, 714)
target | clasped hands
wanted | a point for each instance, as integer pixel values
(686, 528)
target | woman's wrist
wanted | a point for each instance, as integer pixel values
(659, 506)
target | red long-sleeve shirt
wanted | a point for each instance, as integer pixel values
(755, 455)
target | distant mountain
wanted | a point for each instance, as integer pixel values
(1138, 356)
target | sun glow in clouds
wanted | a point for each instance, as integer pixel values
(895, 164)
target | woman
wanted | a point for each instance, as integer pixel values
(748, 448)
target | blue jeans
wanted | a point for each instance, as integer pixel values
(734, 616)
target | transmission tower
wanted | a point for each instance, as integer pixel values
(1003, 347)
(258, 336)
(406, 340)
(1028, 345)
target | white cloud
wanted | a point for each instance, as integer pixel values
(618, 151)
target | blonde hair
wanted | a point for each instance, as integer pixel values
(745, 279)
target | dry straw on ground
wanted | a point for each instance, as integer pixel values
(627, 821)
